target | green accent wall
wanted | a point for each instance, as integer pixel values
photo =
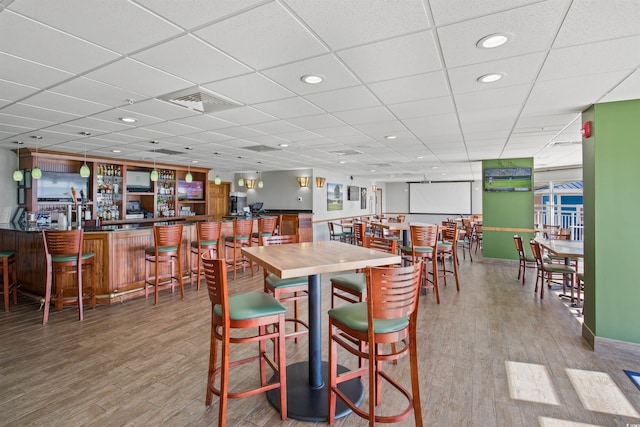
(611, 170)
(506, 210)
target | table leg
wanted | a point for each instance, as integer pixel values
(307, 393)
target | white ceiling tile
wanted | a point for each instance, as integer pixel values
(191, 59)
(38, 113)
(160, 109)
(12, 92)
(393, 58)
(492, 98)
(412, 88)
(444, 12)
(23, 122)
(336, 76)
(529, 35)
(244, 116)
(263, 37)
(60, 51)
(204, 122)
(115, 114)
(276, 127)
(628, 89)
(289, 108)
(344, 99)
(137, 77)
(365, 115)
(118, 25)
(29, 73)
(422, 107)
(349, 23)
(316, 122)
(239, 132)
(593, 20)
(199, 12)
(63, 103)
(250, 89)
(84, 88)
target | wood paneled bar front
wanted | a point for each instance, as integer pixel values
(119, 253)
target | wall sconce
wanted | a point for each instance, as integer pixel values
(374, 188)
(250, 183)
(303, 181)
(320, 182)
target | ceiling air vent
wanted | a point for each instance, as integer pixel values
(200, 100)
(346, 152)
(165, 151)
(260, 148)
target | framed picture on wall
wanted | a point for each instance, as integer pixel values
(363, 197)
(335, 197)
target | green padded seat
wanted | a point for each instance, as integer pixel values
(419, 249)
(355, 316)
(6, 254)
(67, 258)
(162, 249)
(276, 282)
(354, 281)
(205, 243)
(238, 237)
(251, 306)
(558, 268)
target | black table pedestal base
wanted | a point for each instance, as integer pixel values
(308, 404)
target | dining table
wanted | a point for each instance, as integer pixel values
(395, 226)
(567, 249)
(307, 381)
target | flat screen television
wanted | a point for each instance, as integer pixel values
(507, 179)
(138, 181)
(353, 193)
(56, 186)
(193, 190)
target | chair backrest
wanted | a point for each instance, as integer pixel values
(401, 218)
(332, 230)
(536, 250)
(242, 227)
(358, 232)
(449, 224)
(209, 230)
(380, 244)
(393, 292)
(424, 235)
(280, 240)
(561, 234)
(62, 242)
(267, 225)
(215, 272)
(519, 246)
(168, 235)
(450, 235)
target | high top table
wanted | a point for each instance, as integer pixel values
(306, 381)
(566, 249)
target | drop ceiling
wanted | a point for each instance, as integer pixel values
(406, 68)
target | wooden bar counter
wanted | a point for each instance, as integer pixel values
(119, 253)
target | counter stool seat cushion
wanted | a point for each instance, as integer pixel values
(161, 249)
(238, 237)
(204, 243)
(274, 281)
(354, 281)
(72, 257)
(251, 305)
(355, 317)
(5, 254)
(558, 268)
(418, 249)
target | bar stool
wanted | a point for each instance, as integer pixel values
(208, 239)
(424, 246)
(9, 262)
(392, 303)
(167, 249)
(63, 252)
(242, 229)
(448, 248)
(243, 311)
(293, 289)
(266, 227)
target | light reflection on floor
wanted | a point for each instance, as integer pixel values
(599, 393)
(554, 422)
(530, 382)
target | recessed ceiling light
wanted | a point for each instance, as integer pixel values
(342, 162)
(490, 78)
(128, 119)
(116, 151)
(390, 137)
(372, 170)
(19, 142)
(434, 167)
(85, 133)
(35, 137)
(194, 161)
(493, 40)
(419, 157)
(153, 141)
(312, 79)
(283, 145)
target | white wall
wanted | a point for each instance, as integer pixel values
(8, 195)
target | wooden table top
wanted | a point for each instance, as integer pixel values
(391, 225)
(563, 248)
(305, 259)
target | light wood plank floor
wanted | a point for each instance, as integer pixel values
(491, 355)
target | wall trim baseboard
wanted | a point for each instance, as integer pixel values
(610, 347)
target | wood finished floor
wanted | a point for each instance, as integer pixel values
(136, 364)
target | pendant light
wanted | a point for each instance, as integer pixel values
(241, 181)
(217, 180)
(85, 172)
(260, 183)
(189, 177)
(36, 172)
(154, 173)
(17, 174)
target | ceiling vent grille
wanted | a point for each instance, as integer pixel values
(346, 152)
(261, 148)
(200, 100)
(165, 151)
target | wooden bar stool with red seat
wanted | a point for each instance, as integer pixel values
(208, 239)
(9, 285)
(389, 316)
(64, 255)
(242, 231)
(287, 290)
(424, 245)
(242, 311)
(167, 250)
